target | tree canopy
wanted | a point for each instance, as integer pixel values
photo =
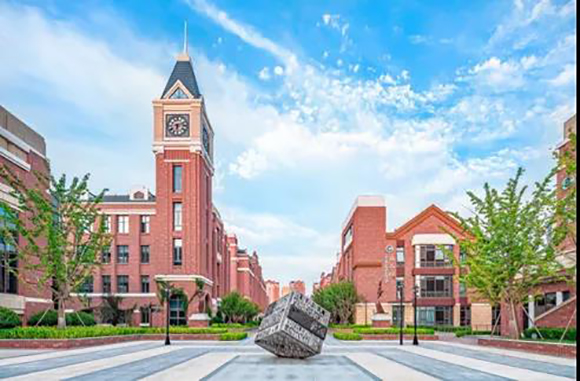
(339, 299)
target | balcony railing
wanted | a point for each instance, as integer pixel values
(435, 294)
(436, 264)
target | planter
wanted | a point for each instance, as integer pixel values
(93, 341)
(552, 349)
(396, 337)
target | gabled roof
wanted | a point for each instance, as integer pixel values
(432, 210)
(183, 72)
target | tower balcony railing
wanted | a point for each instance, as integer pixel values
(436, 263)
(435, 294)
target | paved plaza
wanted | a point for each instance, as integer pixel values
(245, 361)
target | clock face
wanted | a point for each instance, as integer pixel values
(177, 125)
(205, 139)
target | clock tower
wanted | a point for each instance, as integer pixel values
(183, 148)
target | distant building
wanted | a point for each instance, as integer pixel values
(286, 290)
(246, 274)
(298, 286)
(273, 290)
(23, 151)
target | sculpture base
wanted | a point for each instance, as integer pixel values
(381, 321)
(198, 320)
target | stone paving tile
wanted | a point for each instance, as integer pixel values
(436, 368)
(517, 362)
(58, 362)
(136, 370)
(267, 367)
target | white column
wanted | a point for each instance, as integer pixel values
(559, 298)
(417, 256)
(531, 311)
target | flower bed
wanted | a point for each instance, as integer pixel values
(394, 331)
(76, 337)
(550, 349)
(84, 332)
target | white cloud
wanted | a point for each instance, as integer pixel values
(566, 77)
(264, 74)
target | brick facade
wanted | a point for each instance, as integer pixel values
(22, 151)
(246, 273)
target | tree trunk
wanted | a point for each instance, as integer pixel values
(514, 331)
(61, 314)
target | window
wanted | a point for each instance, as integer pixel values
(545, 303)
(177, 216)
(177, 251)
(123, 224)
(145, 284)
(106, 279)
(122, 284)
(434, 256)
(565, 295)
(145, 315)
(178, 94)
(177, 311)
(436, 286)
(106, 256)
(122, 254)
(145, 250)
(87, 286)
(8, 260)
(566, 183)
(435, 316)
(177, 179)
(462, 256)
(107, 224)
(462, 290)
(465, 316)
(400, 256)
(400, 287)
(145, 224)
(347, 239)
(398, 314)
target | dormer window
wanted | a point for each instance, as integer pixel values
(178, 94)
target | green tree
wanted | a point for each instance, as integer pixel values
(339, 299)
(58, 232)
(236, 309)
(566, 207)
(510, 243)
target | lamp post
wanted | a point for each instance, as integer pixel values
(400, 291)
(415, 338)
(167, 295)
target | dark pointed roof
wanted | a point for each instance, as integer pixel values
(183, 71)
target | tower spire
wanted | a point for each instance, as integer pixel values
(185, 38)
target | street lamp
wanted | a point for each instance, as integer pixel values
(167, 295)
(415, 338)
(400, 292)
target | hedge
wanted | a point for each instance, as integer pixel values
(9, 318)
(349, 326)
(84, 332)
(50, 319)
(394, 331)
(233, 336)
(470, 332)
(551, 333)
(348, 336)
(229, 325)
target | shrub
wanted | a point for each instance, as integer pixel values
(349, 326)
(394, 331)
(469, 332)
(551, 333)
(80, 318)
(236, 309)
(348, 336)
(50, 319)
(8, 318)
(233, 336)
(96, 331)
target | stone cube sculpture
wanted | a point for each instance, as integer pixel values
(293, 327)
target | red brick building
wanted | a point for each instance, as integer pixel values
(273, 290)
(246, 273)
(175, 235)
(23, 151)
(297, 286)
(377, 262)
(554, 303)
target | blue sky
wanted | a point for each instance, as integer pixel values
(313, 103)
